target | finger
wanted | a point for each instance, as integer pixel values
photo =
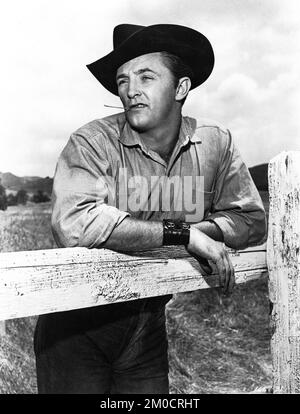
(222, 272)
(227, 273)
(229, 283)
(232, 277)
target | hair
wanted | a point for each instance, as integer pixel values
(177, 67)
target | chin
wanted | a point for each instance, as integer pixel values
(139, 125)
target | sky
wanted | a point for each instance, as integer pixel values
(46, 91)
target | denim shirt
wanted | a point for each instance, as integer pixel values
(86, 193)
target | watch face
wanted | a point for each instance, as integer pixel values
(177, 225)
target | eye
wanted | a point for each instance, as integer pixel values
(121, 82)
(146, 77)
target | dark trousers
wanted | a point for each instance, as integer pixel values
(112, 349)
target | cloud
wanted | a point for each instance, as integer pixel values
(263, 118)
(208, 12)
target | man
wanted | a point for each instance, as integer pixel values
(122, 348)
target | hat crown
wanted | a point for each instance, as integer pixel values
(123, 31)
(131, 41)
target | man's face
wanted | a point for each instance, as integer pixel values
(146, 89)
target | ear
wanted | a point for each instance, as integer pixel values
(183, 88)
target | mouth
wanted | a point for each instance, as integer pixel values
(136, 106)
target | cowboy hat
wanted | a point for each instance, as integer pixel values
(131, 41)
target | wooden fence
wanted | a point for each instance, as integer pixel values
(45, 281)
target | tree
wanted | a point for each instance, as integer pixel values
(3, 197)
(12, 199)
(40, 197)
(22, 196)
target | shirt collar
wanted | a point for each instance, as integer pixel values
(188, 132)
(129, 136)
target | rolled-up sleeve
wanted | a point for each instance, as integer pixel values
(82, 214)
(237, 207)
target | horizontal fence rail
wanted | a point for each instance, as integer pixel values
(45, 281)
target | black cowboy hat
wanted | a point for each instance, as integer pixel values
(131, 41)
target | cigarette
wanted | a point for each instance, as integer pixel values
(117, 107)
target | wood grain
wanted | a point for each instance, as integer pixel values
(284, 270)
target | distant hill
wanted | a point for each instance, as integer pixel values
(29, 183)
(259, 174)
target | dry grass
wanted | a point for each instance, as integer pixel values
(21, 228)
(26, 228)
(220, 344)
(216, 344)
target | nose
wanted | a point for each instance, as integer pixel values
(133, 89)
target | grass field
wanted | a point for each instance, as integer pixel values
(216, 344)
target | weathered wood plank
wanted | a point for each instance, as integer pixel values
(37, 282)
(284, 270)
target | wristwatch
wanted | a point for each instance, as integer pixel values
(176, 233)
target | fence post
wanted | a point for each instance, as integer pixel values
(284, 270)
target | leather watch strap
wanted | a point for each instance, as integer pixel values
(176, 233)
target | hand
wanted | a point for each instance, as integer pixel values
(203, 247)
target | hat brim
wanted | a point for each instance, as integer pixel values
(188, 44)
